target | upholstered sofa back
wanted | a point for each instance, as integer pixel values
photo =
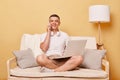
(33, 41)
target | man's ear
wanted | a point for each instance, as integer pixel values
(59, 23)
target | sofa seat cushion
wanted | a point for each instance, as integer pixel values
(35, 72)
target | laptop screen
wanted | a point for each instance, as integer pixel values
(75, 47)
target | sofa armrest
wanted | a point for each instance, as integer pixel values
(105, 64)
(11, 63)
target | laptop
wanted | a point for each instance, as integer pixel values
(73, 48)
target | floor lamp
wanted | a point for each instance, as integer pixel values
(99, 14)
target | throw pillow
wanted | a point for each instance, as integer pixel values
(93, 58)
(25, 58)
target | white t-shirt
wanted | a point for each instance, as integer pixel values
(57, 43)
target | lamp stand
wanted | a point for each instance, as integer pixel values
(99, 44)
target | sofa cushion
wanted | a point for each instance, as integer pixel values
(25, 58)
(31, 41)
(93, 58)
(35, 72)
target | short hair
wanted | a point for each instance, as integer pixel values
(54, 15)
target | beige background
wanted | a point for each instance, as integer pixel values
(31, 16)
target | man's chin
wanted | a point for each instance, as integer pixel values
(54, 28)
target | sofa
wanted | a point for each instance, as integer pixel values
(21, 67)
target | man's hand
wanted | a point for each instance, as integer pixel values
(49, 28)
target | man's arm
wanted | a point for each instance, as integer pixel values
(45, 44)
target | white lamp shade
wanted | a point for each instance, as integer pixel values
(99, 13)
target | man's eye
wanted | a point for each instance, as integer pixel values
(51, 20)
(56, 21)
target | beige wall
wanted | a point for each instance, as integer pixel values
(31, 16)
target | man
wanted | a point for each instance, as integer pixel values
(53, 43)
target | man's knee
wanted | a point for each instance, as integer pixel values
(41, 60)
(77, 59)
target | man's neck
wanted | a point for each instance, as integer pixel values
(55, 31)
